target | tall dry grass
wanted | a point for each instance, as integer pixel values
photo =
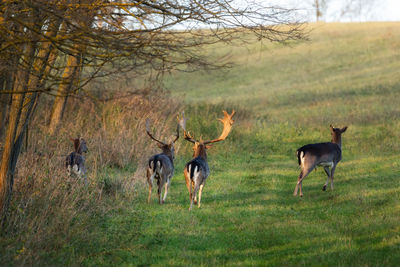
(48, 207)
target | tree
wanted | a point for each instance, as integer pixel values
(51, 46)
(320, 8)
(340, 9)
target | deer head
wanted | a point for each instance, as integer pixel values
(79, 145)
(200, 146)
(337, 134)
(167, 148)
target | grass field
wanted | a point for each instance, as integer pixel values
(285, 97)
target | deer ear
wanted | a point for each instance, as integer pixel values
(331, 127)
(343, 129)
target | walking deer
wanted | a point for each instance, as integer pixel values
(161, 166)
(196, 171)
(75, 161)
(326, 155)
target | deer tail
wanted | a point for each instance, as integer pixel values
(191, 168)
(300, 153)
(155, 163)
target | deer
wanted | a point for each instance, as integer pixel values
(326, 155)
(75, 161)
(196, 171)
(161, 166)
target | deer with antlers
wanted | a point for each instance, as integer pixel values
(196, 171)
(161, 166)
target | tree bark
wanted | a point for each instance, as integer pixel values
(71, 72)
(16, 108)
(23, 104)
(3, 104)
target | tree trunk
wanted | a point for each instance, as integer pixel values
(3, 104)
(71, 72)
(317, 10)
(6, 84)
(9, 156)
(22, 107)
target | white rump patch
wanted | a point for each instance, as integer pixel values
(302, 154)
(159, 168)
(76, 171)
(196, 173)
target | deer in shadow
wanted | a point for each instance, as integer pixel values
(75, 161)
(326, 155)
(197, 171)
(161, 166)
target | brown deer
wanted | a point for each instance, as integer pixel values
(196, 171)
(161, 166)
(326, 155)
(75, 161)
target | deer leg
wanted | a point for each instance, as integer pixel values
(83, 168)
(297, 184)
(149, 197)
(196, 190)
(194, 193)
(159, 189)
(302, 175)
(159, 194)
(187, 179)
(328, 173)
(166, 187)
(150, 181)
(200, 191)
(301, 188)
(332, 172)
(191, 196)
(192, 189)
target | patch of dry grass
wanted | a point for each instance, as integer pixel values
(49, 208)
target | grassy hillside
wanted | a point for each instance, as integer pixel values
(285, 96)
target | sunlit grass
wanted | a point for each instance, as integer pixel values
(288, 96)
(285, 97)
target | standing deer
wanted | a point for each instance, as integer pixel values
(196, 171)
(326, 155)
(75, 161)
(161, 166)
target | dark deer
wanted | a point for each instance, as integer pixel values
(326, 155)
(161, 166)
(196, 171)
(75, 161)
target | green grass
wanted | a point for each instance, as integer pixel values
(285, 97)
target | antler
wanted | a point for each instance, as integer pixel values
(148, 132)
(227, 122)
(177, 134)
(182, 123)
